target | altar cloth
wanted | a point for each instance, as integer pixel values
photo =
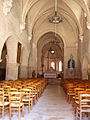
(50, 75)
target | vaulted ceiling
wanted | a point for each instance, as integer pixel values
(35, 14)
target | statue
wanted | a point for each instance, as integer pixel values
(71, 62)
(33, 74)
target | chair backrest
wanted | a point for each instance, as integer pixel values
(13, 90)
(88, 89)
(25, 90)
(15, 97)
(77, 90)
(81, 86)
(84, 100)
(70, 88)
(26, 93)
(2, 97)
(1, 89)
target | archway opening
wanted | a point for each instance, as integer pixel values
(50, 54)
(3, 63)
(19, 50)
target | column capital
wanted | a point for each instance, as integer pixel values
(22, 27)
(88, 25)
(30, 37)
(34, 45)
(0, 60)
(81, 37)
(7, 58)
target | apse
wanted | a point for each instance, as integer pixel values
(50, 54)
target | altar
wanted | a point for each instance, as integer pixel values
(50, 75)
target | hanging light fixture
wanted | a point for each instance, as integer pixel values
(55, 40)
(51, 51)
(56, 19)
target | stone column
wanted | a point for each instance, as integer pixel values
(33, 59)
(86, 53)
(24, 69)
(89, 47)
(89, 54)
(11, 71)
(81, 47)
(11, 63)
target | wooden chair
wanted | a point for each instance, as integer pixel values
(6, 89)
(84, 104)
(13, 90)
(35, 91)
(33, 95)
(15, 100)
(88, 89)
(27, 99)
(3, 105)
(1, 89)
(70, 92)
(39, 89)
(76, 97)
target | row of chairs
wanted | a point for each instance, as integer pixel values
(15, 95)
(78, 93)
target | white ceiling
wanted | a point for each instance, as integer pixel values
(36, 13)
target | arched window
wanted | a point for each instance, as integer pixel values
(53, 65)
(60, 66)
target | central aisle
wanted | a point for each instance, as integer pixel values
(52, 105)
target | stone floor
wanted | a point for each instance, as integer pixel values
(51, 105)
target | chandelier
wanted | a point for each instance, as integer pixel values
(51, 51)
(55, 41)
(56, 19)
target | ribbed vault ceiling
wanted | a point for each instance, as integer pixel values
(35, 14)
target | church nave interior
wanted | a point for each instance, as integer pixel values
(40, 41)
